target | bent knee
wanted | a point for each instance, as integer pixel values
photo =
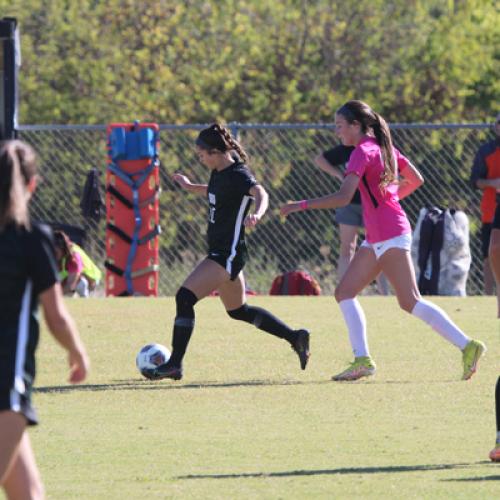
(240, 313)
(343, 293)
(407, 304)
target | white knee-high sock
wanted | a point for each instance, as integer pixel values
(439, 321)
(356, 326)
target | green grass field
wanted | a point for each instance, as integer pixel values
(246, 422)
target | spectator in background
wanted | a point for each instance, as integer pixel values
(494, 255)
(485, 175)
(77, 271)
(350, 217)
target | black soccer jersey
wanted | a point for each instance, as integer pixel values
(229, 201)
(27, 268)
(339, 156)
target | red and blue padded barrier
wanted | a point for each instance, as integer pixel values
(132, 209)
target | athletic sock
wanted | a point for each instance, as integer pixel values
(183, 328)
(355, 320)
(264, 320)
(440, 322)
(185, 300)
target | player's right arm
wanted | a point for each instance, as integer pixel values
(323, 164)
(186, 184)
(479, 173)
(64, 330)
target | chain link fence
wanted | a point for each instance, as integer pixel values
(281, 157)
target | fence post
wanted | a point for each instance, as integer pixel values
(9, 62)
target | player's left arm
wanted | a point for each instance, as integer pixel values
(411, 180)
(261, 203)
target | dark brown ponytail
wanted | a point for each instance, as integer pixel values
(17, 167)
(369, 120)
(383, 136)
(219, 137)
(231, 142)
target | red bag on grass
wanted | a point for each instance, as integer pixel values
(295, 283)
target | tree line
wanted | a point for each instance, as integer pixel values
(96, 61)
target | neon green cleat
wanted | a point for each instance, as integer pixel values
(495, 453)
(362, 366)
(470, 357)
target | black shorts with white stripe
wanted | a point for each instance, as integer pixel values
(233, 262)
(11, 400)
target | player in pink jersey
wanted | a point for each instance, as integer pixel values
(384, 176)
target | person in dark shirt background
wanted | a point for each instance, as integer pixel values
(485, 175)
(494, 259)
(350, 217)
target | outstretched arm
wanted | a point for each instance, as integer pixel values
(186, 184)
(339, 199)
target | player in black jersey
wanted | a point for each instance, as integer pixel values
(28, 273)
(229, 193)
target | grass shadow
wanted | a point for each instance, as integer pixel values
(474, 479)
(131, 385)
(322, 472)
(141, 384)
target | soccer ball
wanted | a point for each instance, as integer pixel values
(151, 356)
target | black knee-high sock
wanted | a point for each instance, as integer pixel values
(183, 325)
(263, 320)
(497, 403)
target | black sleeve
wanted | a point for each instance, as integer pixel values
(243, 181)
(339, 155)
(42, 263)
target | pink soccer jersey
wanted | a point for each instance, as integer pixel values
(382, 214)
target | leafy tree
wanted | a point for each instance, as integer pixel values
(175, 62)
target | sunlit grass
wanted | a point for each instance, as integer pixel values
(246, 422)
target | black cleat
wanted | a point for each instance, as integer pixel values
(301, 347)
(163, 371)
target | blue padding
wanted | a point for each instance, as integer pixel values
(147, 143)
(117, 142)
(132, 145)
(133, 152)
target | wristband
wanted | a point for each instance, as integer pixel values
(303, 204)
